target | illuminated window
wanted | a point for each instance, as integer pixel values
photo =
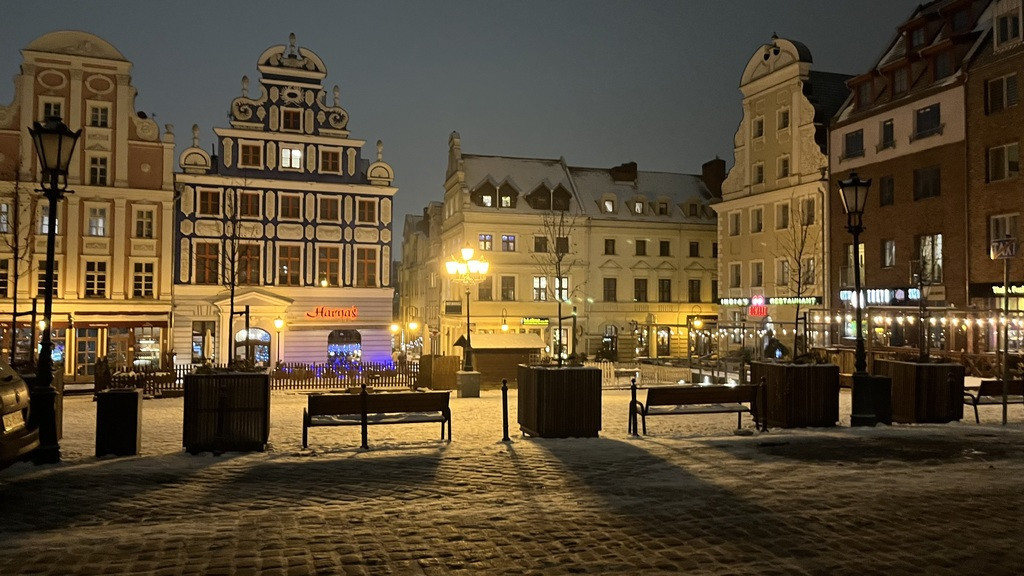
(291, 158)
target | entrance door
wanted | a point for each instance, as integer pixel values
(344, 347)
(258, 341)
(87, 344)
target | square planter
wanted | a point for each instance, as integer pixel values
(924, 392)
(226, 412)
(798, 395)
(559, 402)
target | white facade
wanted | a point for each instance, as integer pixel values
(774, 200)
(500, 207)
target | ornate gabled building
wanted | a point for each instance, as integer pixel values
(114, 233)
(639, 256)
(772, 240)
(287, 221)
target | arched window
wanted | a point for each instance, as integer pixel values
(344, 346)
(257, 340)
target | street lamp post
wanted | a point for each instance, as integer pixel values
(278, 325)
(854, 192)
(467, 271)
(54, 143)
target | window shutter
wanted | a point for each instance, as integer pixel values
(1011, 90)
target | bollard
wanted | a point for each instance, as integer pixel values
(632, 407)
(363, 402)
(762, 410)
(504, 409)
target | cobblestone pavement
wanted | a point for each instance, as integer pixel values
(929, 499)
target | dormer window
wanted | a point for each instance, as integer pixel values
(662, 208)
(608, 206)
(560, 198)
(484, 195)
(1008, 25)
(506, 198)
(638, 207)
(917, 37)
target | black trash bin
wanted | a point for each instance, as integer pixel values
(873, 405)
(119, 422)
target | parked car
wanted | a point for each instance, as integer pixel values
(16, 439)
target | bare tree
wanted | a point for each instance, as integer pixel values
(241, 262)
(559, 260)
(797, 249)
(16, 234)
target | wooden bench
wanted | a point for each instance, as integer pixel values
(991, 392)
(666, 400)
(365, 409)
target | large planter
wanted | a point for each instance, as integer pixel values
(559, 402)
(924, 392)
(226, 412)
(119, 422)
(798, 395)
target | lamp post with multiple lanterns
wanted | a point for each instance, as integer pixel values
(54, 144)
(467, 271)
(854, 193)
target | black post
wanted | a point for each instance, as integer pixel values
(762, 409)
(363, 400)
(44, 395)
(1006, 334)
(467, 358)
(632, 407)
(504, 409)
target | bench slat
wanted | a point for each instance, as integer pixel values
(697, 409)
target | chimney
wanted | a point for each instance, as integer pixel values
(624, 172)
(713, 175)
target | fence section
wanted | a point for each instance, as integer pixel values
(292, 376)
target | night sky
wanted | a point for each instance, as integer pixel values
(599, 82)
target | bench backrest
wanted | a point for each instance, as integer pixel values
(378, 403)
(674, 395)
(995, 388)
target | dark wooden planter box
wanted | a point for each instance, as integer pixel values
(559, 402)
(226, 412)
(119, 422)
(924, 392)
(799, 395)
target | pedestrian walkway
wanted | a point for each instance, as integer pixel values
(692, 497)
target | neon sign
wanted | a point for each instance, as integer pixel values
(757, 307)
(350, 313)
